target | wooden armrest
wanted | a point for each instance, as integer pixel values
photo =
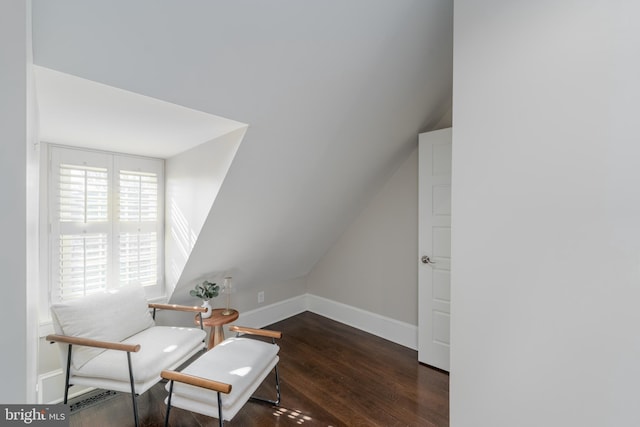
(196, 381)
(177, 307)
(94, 343)
(253, 331)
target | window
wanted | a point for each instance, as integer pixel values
(106, 216)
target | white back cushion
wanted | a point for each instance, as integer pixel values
(110, 316)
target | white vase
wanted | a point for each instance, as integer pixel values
(205, 304)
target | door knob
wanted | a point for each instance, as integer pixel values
(426, 260)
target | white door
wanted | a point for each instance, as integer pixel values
(434, 244)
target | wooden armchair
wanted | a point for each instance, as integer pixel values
(110, 341)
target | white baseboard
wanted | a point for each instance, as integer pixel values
(390, 329)
(51, 388)
(393, 330)
(263, 316)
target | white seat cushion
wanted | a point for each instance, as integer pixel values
(241, 362)
(161, 347)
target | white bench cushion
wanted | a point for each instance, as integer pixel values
(242, 362)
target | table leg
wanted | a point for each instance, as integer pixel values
(211, 343)
(218, 335)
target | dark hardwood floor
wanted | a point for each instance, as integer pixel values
(331, 375)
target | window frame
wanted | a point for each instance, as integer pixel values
(114, 163)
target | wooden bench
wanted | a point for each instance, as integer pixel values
(223, 379)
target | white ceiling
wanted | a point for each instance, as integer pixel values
(334, 93)
(80, 112)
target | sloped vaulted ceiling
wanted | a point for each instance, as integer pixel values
(334, 92)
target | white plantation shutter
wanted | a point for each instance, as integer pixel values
(83, 258)
(138, 258)
(83, 193)
(80, 223)
(138, 227)
(83, 265)
(106, 222)
(138, 196)
(138, 212)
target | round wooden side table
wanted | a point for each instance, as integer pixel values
(215, 322)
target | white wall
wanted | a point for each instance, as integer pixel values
(13, 191)
(373, 265)
(33, 220)
(546, 214)
(193, 180)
